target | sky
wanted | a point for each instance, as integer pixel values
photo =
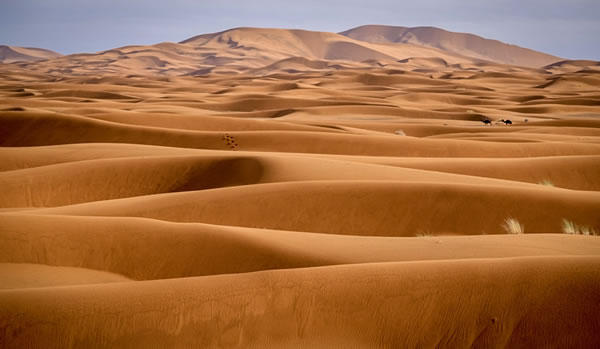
(565, 28)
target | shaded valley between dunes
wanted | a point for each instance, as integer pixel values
(383, 187)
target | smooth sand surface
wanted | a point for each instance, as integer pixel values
(24, 275)
(288, 188)
(439, 303)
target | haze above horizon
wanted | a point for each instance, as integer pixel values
(565, 29)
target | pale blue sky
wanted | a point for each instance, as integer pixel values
(566, 28)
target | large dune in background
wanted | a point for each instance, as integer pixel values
(463, 43)
(11, 54)
(262, 51)
(289, 188)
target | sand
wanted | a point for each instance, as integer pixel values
(289, 188)
(467, 44)
(11, 54)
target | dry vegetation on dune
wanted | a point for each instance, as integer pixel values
(569, 227)
(294, 199)
(512, 226)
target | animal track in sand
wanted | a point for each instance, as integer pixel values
(230, 141)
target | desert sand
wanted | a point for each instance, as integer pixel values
(288, 188)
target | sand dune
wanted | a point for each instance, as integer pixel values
(574, 65)
(371, 208)
(290, 188)
(303, 43)
(35, 129)
(106, 179)
(268, 50)
(24, 275)
(151, 249)
(407, 304)
(11, 54)
(465, 44)
(572, 172)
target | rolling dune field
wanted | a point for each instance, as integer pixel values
(300, 189)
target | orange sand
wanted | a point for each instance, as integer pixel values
(287, 188)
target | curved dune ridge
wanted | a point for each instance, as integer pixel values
(287, 188)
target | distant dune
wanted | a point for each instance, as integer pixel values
(458, 43)
(10, 54)
(261, 51)
(287, 43)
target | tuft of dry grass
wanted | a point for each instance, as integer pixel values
(546, 182)
(512, 226)
(569, 227)
(587, 230)
(424, 233)
(400, 133)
